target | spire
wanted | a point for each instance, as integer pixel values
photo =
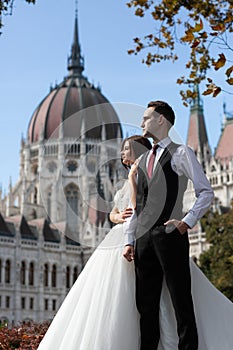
(197, 137)
(197, 104)
(75, 60)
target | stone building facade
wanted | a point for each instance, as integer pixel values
(54, 216)
(218, 166)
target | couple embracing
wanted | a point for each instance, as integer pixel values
(139, 289)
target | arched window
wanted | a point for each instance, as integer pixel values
(8, 271)
(75, 274)
(46, 275)
(23, 273)
(72, 197)
(35, 196)
(54, 276)
(67, 277)
(31, 274)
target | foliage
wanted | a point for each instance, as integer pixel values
(202, 26)
(24, 337)
(6, 8)
(217, 262)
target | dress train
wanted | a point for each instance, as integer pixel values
(99, 312)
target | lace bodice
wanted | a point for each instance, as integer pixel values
(122, 197)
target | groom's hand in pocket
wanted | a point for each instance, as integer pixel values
(181, 226)
(128, 253)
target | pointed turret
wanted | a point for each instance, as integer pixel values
(197, 137)
(224, 149)
(76, 60)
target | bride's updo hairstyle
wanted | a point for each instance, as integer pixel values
(138, 145)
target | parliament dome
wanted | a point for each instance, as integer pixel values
(74, 94)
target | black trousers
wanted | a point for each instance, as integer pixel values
(159, 254)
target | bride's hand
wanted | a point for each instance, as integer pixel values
(123, 215)
(119, 217)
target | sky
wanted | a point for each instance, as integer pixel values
(34, 47)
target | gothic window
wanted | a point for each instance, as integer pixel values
(23, 303)
(46, 275)
(46, 304)
(7, 302)
(34, 169)
(31, 274)
(54, 276)
(72, 166)
(23, 273)
(31, 303)
(8, 271)
(213, 168)
(54, 302)
(35, 196)
(52, 166)
(91, 166)
(75, 274)
(67, 277)
(34, 214)
(72, 197)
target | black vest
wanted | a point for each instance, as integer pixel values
(161, 197)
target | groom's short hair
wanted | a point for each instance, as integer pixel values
(163, 108)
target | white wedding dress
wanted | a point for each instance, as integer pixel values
(99, 312)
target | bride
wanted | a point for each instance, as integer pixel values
(99, 312)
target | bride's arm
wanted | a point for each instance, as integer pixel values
(133, 183)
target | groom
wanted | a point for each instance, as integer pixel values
(162, 246)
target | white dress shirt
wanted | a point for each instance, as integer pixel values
(183, 162)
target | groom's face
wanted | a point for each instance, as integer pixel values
(150, 123)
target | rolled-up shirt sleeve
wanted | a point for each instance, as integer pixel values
(129, 228)
(184, 162)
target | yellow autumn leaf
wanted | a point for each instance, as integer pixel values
(220, 27)
(207, 92)
(195, 43)
(189, 37)
(230, 81)
(217, 90)
(220, 62)
(130, 52)
(192, 75)
(198, 27)
(229, 71)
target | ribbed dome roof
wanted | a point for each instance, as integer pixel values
(74, 94)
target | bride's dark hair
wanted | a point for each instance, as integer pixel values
(138, 145)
